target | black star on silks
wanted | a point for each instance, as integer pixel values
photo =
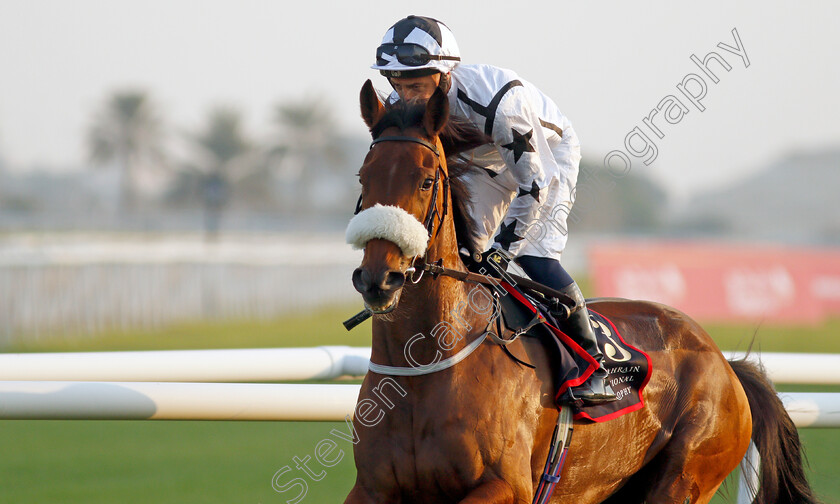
(507, 235)
(534, 191)
(490, 172)
(521, 143)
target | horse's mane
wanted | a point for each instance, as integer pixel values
(457, 136)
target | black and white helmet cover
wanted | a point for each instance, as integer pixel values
(423, 34)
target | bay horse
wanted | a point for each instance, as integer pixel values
(478, 431)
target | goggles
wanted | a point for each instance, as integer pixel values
(408, 54)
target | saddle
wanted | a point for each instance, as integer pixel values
(629, 368)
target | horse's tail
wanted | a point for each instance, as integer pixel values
(782, 469)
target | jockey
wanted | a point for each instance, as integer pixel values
(525, 189)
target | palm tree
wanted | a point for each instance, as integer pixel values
(226, 156)
(309, 147)
(223, 139)
(306, 120)
(127, 131)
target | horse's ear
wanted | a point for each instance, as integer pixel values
(437, 113)
(372, 108)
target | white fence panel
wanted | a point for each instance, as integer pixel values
(85, 285)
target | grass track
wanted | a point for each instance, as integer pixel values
(161, 462)
(233, 462)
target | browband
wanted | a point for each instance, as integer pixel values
(406, 139)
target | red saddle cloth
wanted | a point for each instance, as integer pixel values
(629, 368)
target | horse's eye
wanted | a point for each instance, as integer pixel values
(427, 184)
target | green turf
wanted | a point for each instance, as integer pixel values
(822, 338)
(164, 462)
(233, 462)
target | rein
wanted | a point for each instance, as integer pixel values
(437, 269)
(564, 305)
(564, 301)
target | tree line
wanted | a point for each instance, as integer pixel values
(305, 167)
(223, 165)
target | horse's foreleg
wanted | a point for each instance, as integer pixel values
(491, 492)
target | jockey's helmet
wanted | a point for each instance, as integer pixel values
(417, 46)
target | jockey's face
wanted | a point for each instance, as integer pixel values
(416, 88)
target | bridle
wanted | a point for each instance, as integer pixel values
(432, 213)
(400, 138)
(562, 431)
(435, 269)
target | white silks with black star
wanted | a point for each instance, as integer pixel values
(523, 194)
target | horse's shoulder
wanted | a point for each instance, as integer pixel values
(653, 325)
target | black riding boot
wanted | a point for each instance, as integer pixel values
(595, 390)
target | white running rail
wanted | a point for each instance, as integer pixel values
(73, 400)
(238, 365)
(65, 400)
(296, 364)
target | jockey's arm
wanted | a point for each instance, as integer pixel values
(544, 179)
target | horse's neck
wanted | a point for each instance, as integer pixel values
(434, 321)
(448, 313)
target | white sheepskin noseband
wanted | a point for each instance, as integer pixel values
(390, 223)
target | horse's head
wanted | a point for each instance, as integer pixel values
(404, 194)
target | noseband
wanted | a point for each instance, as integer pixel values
(431, 212)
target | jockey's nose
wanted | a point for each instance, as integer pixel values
(379, 282)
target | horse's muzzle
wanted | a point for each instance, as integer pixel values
(379, 289)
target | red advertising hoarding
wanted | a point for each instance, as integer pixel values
(722, 282)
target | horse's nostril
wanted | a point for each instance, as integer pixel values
(361, 280)
(366, 282)
(393, 280)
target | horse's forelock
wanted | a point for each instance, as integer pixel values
(458, 135)
(401, 116)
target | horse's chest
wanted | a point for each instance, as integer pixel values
(445, 466)
(448, 455)
(444, 444)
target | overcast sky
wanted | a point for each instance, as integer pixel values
(607, 64)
